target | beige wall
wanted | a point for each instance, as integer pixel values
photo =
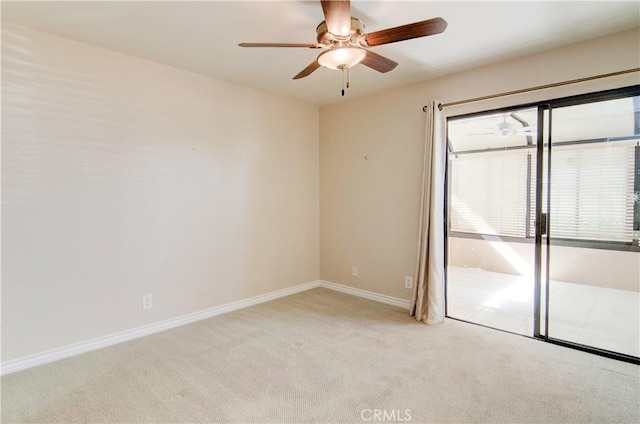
(122, 177)
(597, 267)
(369, 207)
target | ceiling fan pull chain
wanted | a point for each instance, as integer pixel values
(347, 77)
(342, 82)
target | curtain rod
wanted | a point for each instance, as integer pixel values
(538, 87)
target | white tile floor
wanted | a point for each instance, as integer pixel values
(593, 316)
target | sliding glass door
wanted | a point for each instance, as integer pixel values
(591, 261)
(490, 269)
(543, 221)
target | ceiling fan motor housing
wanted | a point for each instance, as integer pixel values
(328, 39)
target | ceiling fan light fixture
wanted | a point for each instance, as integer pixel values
(340, 58)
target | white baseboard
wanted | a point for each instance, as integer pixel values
(389, 300)
(52, 355)
(68, 351)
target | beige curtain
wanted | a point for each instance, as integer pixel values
(428, 302)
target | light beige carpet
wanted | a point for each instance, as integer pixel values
(322, 356)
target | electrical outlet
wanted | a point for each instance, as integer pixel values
(147, 302)
(354, 271)
(408, 282)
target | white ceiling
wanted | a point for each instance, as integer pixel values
(202, 36)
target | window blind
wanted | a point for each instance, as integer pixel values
(489, 193)
(591, 192)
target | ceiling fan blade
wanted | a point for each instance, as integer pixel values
(308, 70)
(406, 32)
(307, 45)
(337, 15)
(377, 62)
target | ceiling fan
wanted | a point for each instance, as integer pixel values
(345, 43)
(508, 128)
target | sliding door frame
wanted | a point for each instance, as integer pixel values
(542, 218)
(544, 153)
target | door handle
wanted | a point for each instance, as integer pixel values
(542, 224)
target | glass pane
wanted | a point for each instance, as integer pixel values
(490, 250)
(594, 265)
(516, 128)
